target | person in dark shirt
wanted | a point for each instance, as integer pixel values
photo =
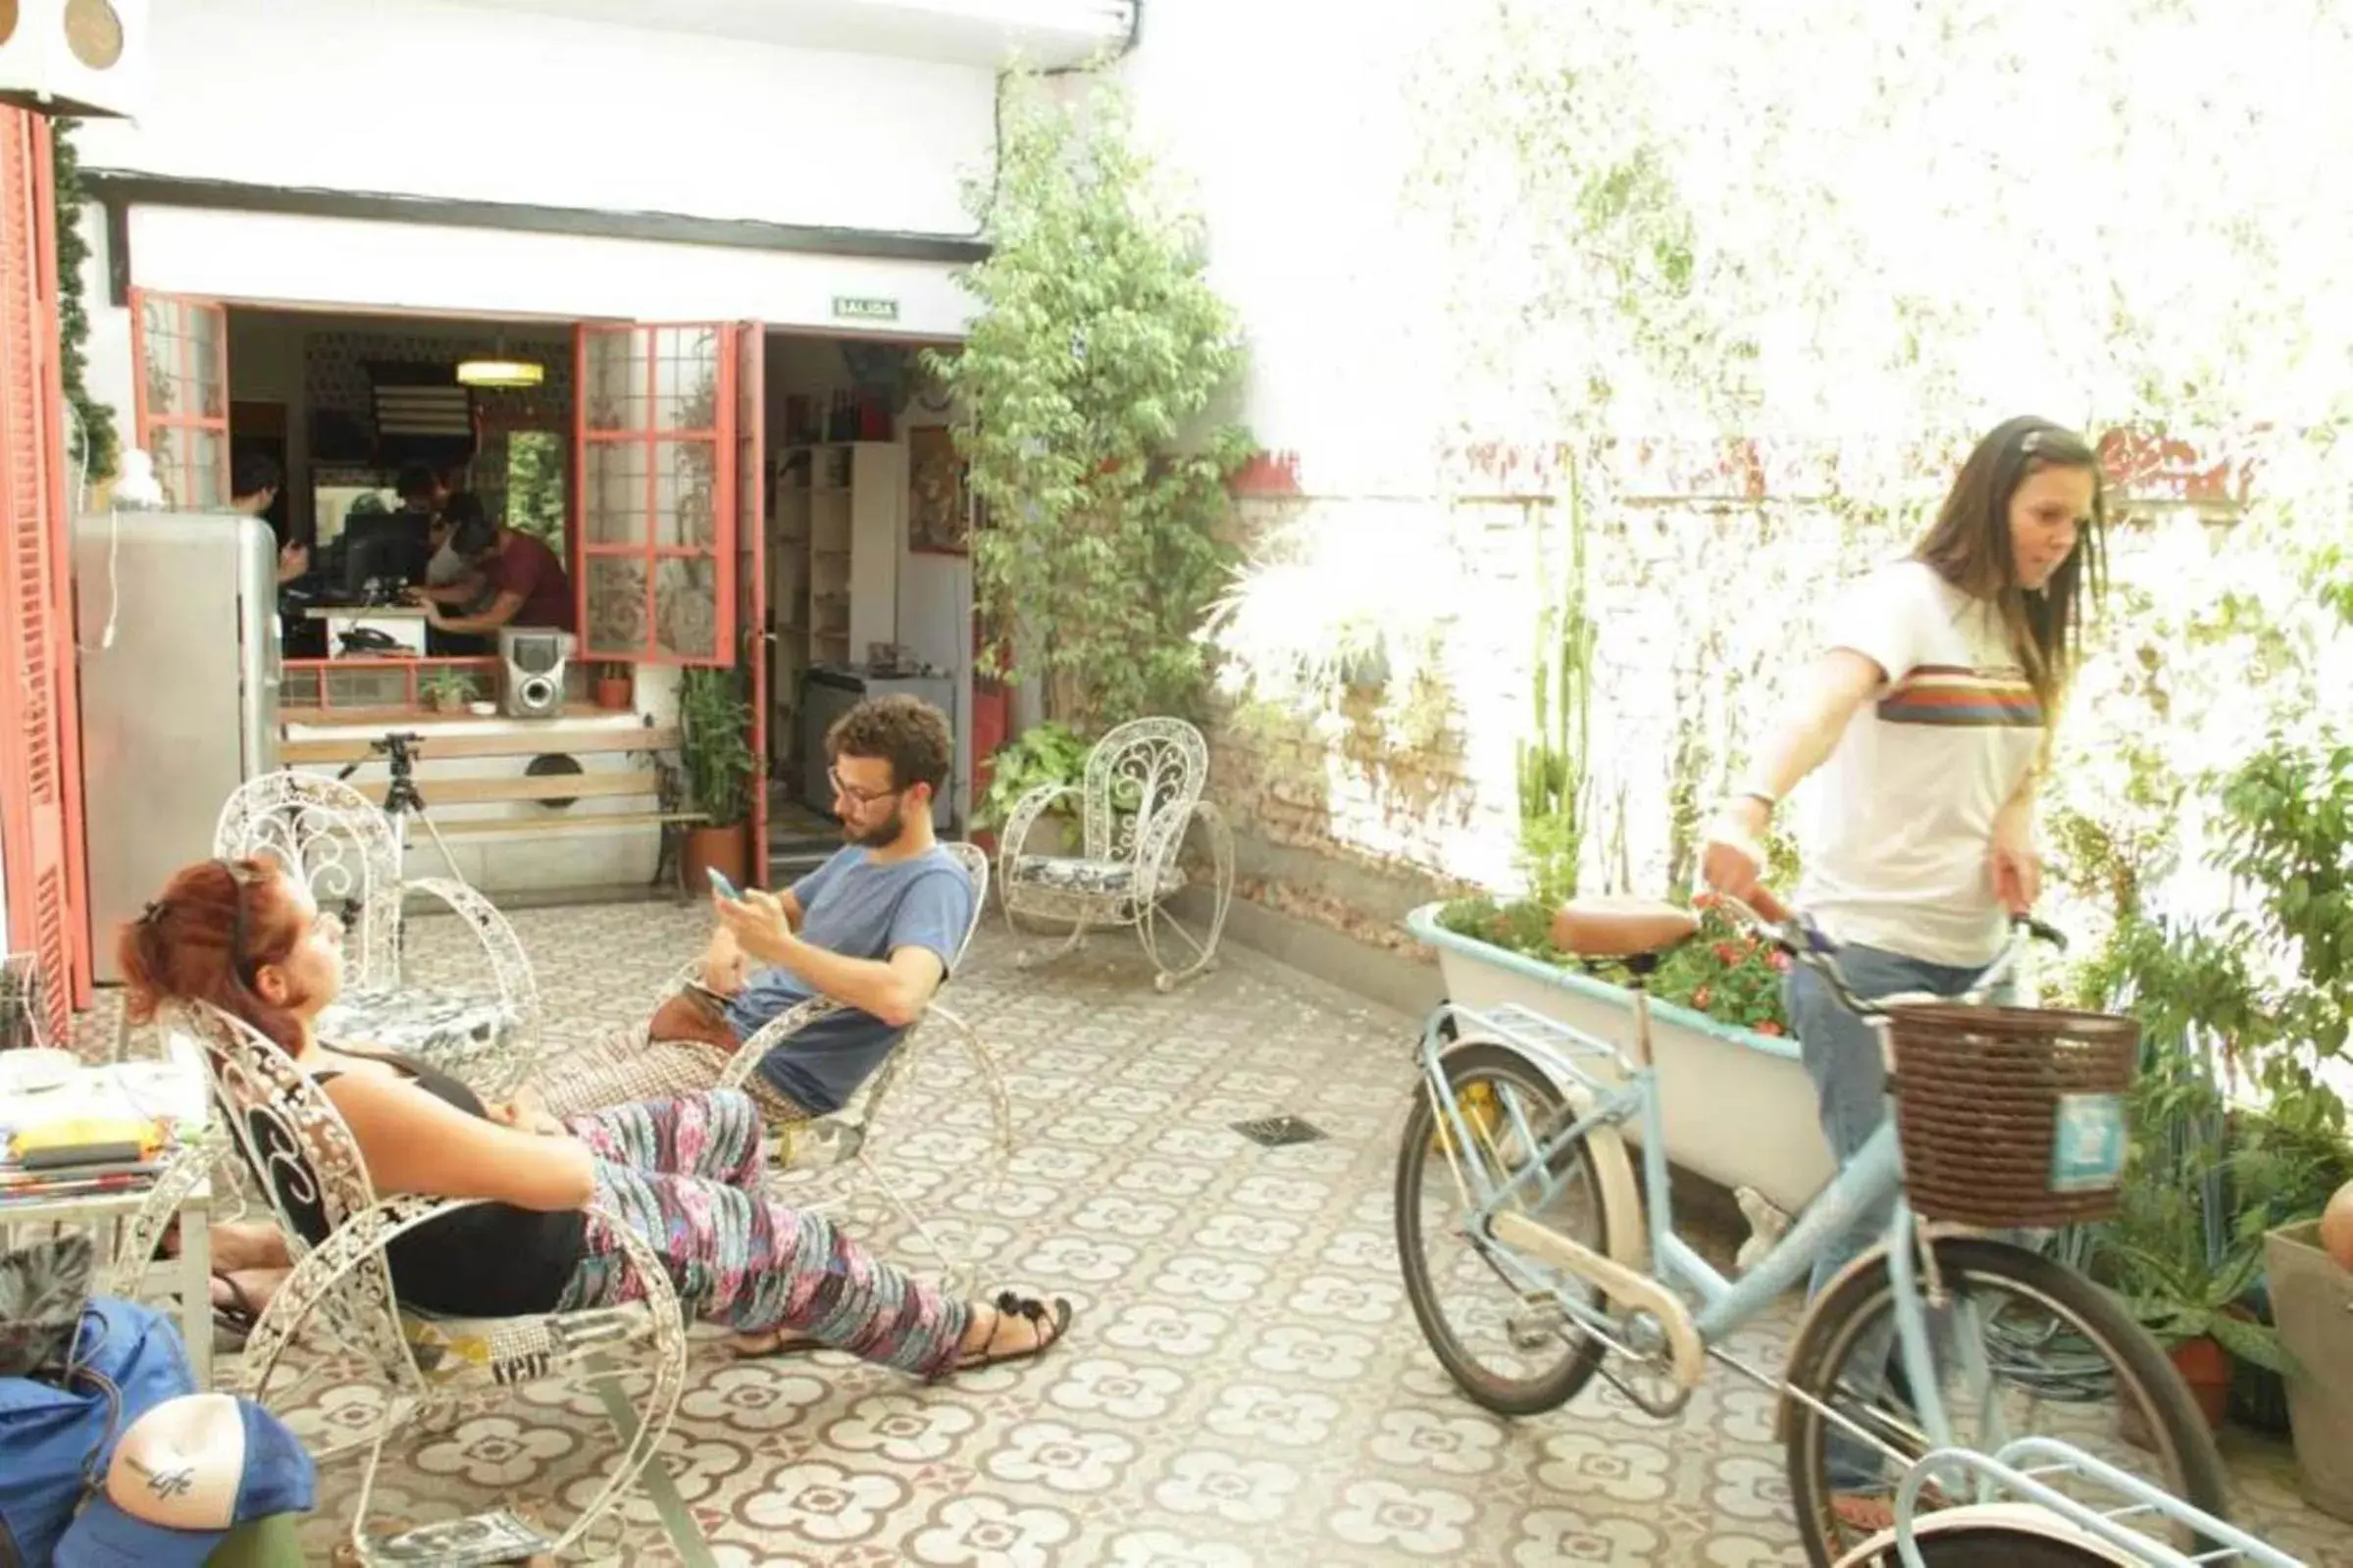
(254, 483)
(524, 578)
(683, 1175)
(421, 491)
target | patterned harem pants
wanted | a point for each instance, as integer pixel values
(690, 1046)
(684, 1173)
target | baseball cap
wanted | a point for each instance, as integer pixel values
(183, 1475)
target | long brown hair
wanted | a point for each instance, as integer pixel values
(216, 925)
(1969, 547)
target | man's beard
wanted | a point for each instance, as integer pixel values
(883, 833)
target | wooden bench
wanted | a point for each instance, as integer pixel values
(449, 740)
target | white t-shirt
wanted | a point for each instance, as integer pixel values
(1896, 847)
(445, 567)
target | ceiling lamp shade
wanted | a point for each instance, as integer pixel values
(500, 372)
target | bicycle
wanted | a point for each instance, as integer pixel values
(1554, 1105)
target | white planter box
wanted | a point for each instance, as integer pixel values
(2313, 1300)
(1739, 1108)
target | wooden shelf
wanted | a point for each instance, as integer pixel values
(480, 791)
(586, 822)
(554, 736)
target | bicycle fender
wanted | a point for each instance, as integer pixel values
(1620, 1193)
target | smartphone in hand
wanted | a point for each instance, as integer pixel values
(721, 886)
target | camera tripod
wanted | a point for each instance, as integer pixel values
(401, 798)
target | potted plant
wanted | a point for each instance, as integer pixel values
(612, 687)
(2194, 1303)
(447, 691)
(1042, 755)
(715, 752)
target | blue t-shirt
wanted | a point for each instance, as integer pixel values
(855, 907)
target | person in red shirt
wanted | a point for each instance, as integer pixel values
(527, 581)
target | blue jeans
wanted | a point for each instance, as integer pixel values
(1843, 1056)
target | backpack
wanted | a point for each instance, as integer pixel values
(58, 1422)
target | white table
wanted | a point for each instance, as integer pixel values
(175, 1088)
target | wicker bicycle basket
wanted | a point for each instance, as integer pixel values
(1981, 1096)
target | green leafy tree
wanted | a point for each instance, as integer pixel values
(1099, 350)
(535, 485)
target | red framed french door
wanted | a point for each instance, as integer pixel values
(655, 439)
(752, 567)
(180, 355)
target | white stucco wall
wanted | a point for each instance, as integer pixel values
(1289, 120)
(423, 98)
(431, 99)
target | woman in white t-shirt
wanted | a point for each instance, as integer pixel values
(1927, 717)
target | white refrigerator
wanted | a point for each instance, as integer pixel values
(178, 637)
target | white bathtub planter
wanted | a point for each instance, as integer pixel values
(1739, 1107)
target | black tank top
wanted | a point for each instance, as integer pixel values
(488, 1259)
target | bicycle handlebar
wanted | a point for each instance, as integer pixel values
(1796, 933)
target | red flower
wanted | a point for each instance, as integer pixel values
(1768, 1026)
(1724, 953)
(1699, 996)
(1779, 960)
(1706, 900)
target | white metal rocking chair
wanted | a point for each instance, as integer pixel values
(1143, 789)
(332, 837)
(298, 1150)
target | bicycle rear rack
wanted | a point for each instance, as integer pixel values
(1564, 1048)
(2023, 1468)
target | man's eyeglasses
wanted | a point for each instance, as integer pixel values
(850, 792)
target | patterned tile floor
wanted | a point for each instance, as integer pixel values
(1244, 1382)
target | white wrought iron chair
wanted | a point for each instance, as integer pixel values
(973, 1131)
(297, 1148)
(1143, 790)
(333, 837)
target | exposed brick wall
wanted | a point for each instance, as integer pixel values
(1707, 575)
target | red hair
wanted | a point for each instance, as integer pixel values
(217, 922)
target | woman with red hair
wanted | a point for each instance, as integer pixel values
(682, 1174)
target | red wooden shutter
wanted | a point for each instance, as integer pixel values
(656, 443)
(180, 348)
(40, 777)
(751, 566)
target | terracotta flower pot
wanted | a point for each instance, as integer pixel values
(2206, 1367)
(725, 850)
(613, 692)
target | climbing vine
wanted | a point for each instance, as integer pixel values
(95, 447)
(1084, 388)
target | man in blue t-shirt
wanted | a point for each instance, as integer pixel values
(874, 928)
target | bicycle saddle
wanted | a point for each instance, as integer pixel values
(1620, 928)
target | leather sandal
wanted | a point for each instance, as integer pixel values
(774, 1343)
(1052, 1320)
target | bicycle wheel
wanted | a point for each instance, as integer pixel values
(1542, 1356)
(1952, 1540)
(2043, 1332)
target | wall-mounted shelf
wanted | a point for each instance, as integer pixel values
(850, 519)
